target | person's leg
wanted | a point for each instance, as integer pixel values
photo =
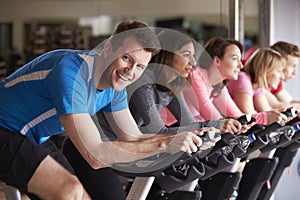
(51, 181)
(100, 184)
(55, 153)
(28, 167)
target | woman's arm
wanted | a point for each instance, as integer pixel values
(245, 102)
(260, 102)
(226, 106)
(242, 93)
(144, 105)
(198, 97)
(180, 110)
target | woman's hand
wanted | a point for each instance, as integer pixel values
(246, 127)
(230, 125)
(276, 116)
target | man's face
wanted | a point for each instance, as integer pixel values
(128, 62)
(291, 67)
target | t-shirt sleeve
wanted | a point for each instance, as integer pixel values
(68, 86)
(118, 102)
(259, 92)
(241, 85)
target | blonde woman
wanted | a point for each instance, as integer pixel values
(261, 73)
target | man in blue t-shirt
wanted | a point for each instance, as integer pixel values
(59, 92)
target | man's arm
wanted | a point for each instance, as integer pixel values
(86, 137)
(278, 100)
(126, 130)
(284, 96)
(273, 101)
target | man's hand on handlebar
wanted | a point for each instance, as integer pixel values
(186, 141)
(290, 113)
(281, 116)
(209, 136)
(192, 141)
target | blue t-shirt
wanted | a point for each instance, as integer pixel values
(56, 83)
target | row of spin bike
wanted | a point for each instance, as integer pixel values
(212, 168)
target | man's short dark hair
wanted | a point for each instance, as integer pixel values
(140, 31)
(286, 48)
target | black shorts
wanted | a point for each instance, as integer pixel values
(20, 157)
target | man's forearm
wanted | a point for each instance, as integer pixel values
(210, 123)
(154, 137)
(112, 152)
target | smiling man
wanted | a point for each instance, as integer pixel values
(59, 92)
